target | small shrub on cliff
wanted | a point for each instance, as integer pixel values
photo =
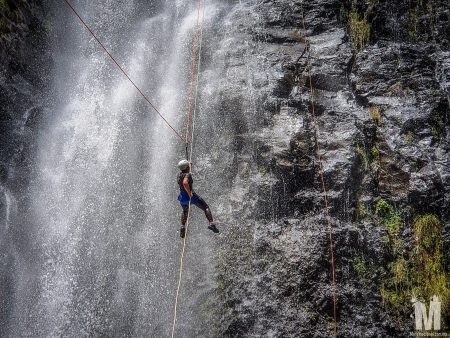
(387, 216)
(375, 114)
(363, 268)
(421, 20)
(413, 23)
(409, 136)
(375, 153)
(368, 157)
(362, 211)
(359, 30)
(361, 152)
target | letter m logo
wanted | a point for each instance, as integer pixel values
(424, 321)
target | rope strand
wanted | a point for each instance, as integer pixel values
(322, 180)
(122, 70)
(194, 66)
(197, 82)
(193, 69)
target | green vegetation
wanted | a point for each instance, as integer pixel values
(413, 23)
(362, 211)
(375, 154)
(262, 171)
(220, 283)
(356, 14)
(437, 123)
(421, 23)
(375, 114)
(433, 280)
(368, 157)
(409, 136)
(361, 152)
(363, 268)
(386, 215)
(359, 30)
(421, 274)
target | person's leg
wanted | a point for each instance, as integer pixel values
(200, 202)
(184, 216)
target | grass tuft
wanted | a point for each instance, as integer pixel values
(375, 114)
(387, 215)
(359, 30)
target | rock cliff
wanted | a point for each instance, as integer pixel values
(379, 72)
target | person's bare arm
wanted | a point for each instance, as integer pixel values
(186, 187)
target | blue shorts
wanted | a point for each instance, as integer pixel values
(183, 197)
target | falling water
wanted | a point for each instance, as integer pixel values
(101, 252)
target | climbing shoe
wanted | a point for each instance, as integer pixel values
(182, 232)
(213, 228)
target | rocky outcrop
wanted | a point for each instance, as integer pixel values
(378, 70)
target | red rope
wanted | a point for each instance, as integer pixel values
(122, 70)
(322, 180)
(195, 48)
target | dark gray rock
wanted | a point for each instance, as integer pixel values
(278, 282)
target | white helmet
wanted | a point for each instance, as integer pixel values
(183, 164)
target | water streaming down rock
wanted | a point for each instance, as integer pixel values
(100, 251)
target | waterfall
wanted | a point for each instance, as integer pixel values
(102, 250)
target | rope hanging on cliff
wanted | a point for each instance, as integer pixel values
(196, 59)
(319, 160)
(123, 71)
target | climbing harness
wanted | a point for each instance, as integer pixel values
(122, 70)
(319, 160)
(196, 59)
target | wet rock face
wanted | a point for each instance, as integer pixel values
(24, 72)
(24, 65)
(382, 128)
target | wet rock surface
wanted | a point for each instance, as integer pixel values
(382, 118)
(24, 72)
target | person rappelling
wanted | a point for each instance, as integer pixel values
(187, 194)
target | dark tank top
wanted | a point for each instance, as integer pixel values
(180, 179)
